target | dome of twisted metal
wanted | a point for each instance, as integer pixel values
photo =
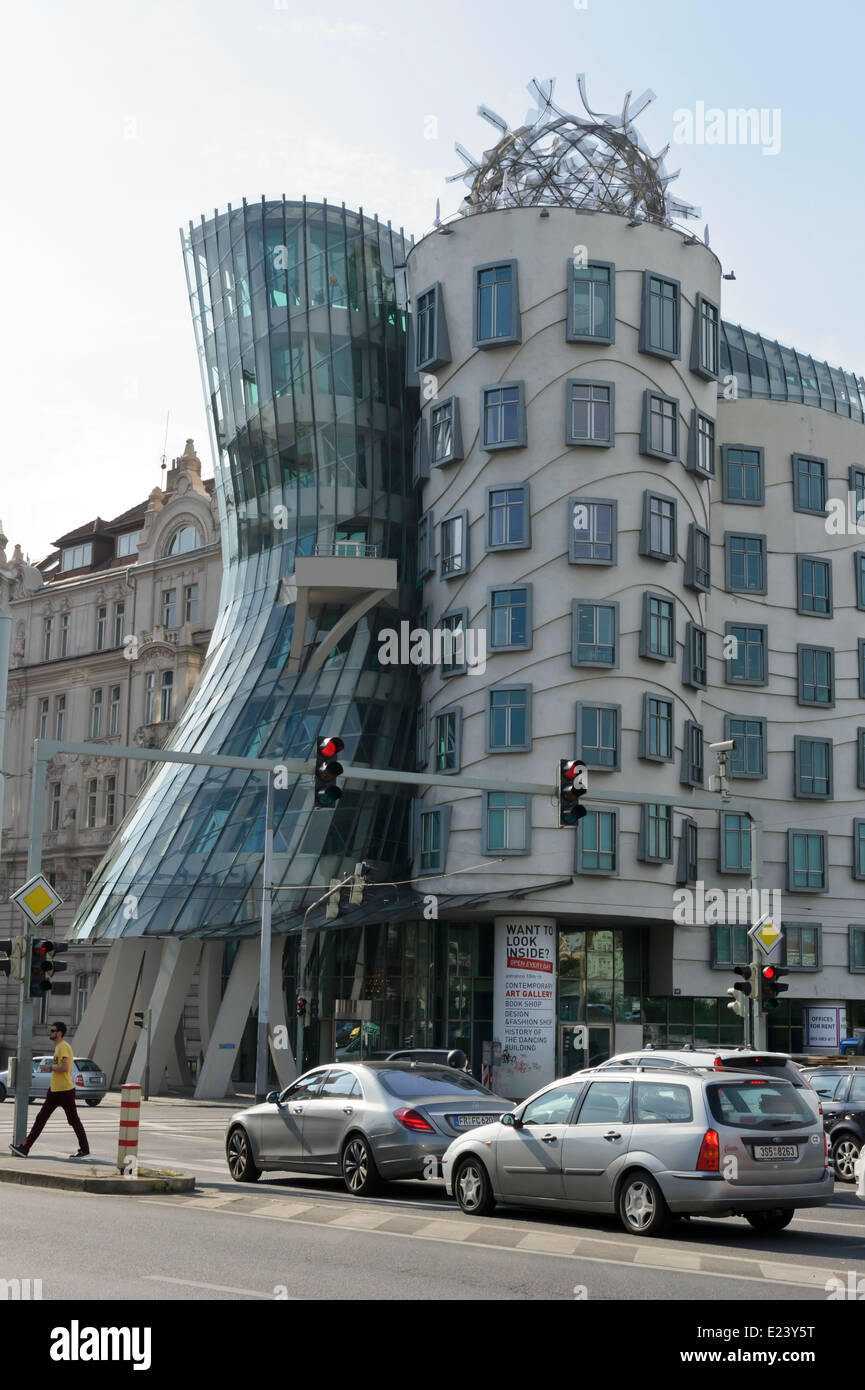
(598, 162)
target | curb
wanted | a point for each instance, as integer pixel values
(115, 1185)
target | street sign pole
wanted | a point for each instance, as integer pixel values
(44, 901)
(261, 1052)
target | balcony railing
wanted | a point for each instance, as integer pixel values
(349, 548)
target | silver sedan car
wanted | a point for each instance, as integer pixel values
(367, 1122)
(91, 1083)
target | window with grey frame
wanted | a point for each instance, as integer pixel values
(595, 633)
(700, 457)
(698, 559)
(814, 586)
(803, 945)
(815, 668)
(655, 845)
(748, 758)
(590, 415)
(743, 475)
(694, 657)
(658, 531)
(806, 861)
(858, 848)
(47, 637)
(510, 623)
(508, 517)
(705, 338)
(446, 740)
(496, 305)
(859, 578)
(734, 843)
(446, 445)
(598, 736)
(660, 320)
(507, 823)
(503, 416)
(591, 302)
(166, 697)
(509, 719)
(812, 767)
(452, 627)
(692, 772)
(745, 562)
(425, 545)
(860, 657)
(597, 847)
(856, 949)
(686, 862)
(432, 836)
(95, 713)
(856, 485)
(43, 718)
(420, 745)
(432, 348)
(454, 545)
(659, 434)
(658, 627)
(657, 741)
(747, 662)
(593, 533)
(860, 758)
(731, 945)
(102, 625)
(64, 634)
(169, 608)
(419, 459)
(59, 716)
(809, 484)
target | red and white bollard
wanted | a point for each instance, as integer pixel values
(127, 1143)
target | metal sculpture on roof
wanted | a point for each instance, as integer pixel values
(598, 162)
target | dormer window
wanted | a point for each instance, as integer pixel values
(127, 544)
(75, 557)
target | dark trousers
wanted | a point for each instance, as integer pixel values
(65, 1100)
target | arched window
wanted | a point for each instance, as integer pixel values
(185, 539)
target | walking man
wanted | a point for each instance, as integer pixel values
(62, 1094)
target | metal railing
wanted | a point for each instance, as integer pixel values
(353, 549)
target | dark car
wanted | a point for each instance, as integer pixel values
(842, 1092)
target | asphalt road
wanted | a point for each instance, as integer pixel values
(297, 1237)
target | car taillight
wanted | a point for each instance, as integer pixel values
(825, 1149)
(708, 1161)
(411, 1119)
(719, 1065)
(79, 1080)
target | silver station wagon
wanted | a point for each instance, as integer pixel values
(651, 1145)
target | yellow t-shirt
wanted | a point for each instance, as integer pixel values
(62, 1080)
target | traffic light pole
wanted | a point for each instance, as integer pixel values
(757, 1039)
(261, 1051)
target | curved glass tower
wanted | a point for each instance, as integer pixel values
(301, 334)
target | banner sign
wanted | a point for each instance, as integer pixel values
(825, 1026)
(524, 1004)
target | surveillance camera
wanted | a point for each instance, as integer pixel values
(726, 746)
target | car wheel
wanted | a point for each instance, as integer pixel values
(767, 1223)
(238, 1152)
(642, 1209)
(93, 1102)
(359, 1172)
(473, 1189)
(845, 1151)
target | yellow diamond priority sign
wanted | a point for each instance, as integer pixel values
(36, 899)
(766, 934)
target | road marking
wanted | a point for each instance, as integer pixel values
(550, 1242)
(798, 1273)
(680, 1259)
(447, 1230)
(282, 1211)
(215, 1288)
(359, 1221)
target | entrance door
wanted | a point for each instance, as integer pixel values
(583, 1045)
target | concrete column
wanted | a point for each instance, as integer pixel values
(178, 1071)
(100, 1032)
(280, 1033)
(231, 1019)
(131, 1035)
(209, 986)
(165, 1002)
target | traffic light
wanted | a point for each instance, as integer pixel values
(742, 990)
(771, 987)
(301, 1005)
(138, 1020)
(14, 949)
(573, 782)
(43, 968)
(327, 769)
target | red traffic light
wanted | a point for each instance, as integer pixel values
(329, 747)
(569, 771)
(768, 972)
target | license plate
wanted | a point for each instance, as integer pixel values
(776, 1151)
(472, 1121)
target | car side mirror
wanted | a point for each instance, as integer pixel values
(272, 1098)
(511, 1120)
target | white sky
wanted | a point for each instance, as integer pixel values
(123, 119)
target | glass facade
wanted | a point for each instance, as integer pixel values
(770, 370)
(301, 336)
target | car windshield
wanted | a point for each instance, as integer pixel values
(85, 1064)
(758, 1105)
(770, 1066)
(429, 1081)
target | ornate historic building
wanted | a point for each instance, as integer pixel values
(110, 632)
